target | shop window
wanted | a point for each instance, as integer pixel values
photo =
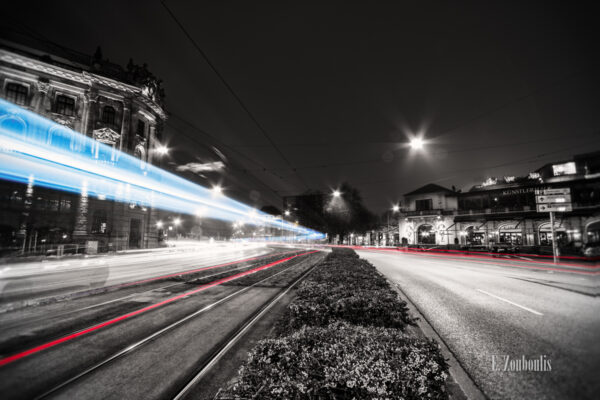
(424, 205)
(515, 238)
(99, 222)
(65, 105)
(65, 205)
(16, 93)
(425, 234)
(593, 233)
(16, 197)
(108, 115)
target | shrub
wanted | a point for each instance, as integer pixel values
(349, 289)
(342, 361)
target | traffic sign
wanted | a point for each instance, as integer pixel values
(554, 191)
(558, 207)
(553, 198)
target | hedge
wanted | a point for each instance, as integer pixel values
(343, 337)
(343, 361)
(345, 288)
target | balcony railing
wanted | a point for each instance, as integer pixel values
(425, 213)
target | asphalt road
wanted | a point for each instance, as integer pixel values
(483, 309)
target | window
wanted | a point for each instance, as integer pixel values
(423, 205)
(16, 93)
(65, 105)
(141, 128)
(65, 205)
(108, 115)
(99, 221)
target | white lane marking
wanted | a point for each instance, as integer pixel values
(511, 302)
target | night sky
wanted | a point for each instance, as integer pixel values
(495, 89)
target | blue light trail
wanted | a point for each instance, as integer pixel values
(35, 149)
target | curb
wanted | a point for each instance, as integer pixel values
(462, 386)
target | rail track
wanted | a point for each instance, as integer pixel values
(206, 362)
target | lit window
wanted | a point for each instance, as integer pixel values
(108, 115)
(65, 105)
(16, 93)
(564, 169)
(99, 221)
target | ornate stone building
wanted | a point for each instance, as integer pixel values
(121, 107)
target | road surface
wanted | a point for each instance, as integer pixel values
(483, 309)
(24, 283)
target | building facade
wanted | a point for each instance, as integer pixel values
(120, 107)
(502, 212)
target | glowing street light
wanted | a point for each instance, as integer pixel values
(417, 143)
(162, 150)
(159, 224)
(287, 213)
(217, 190)
(336, 193)
(176, 222)
(396, 208)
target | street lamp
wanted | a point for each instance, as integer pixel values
(287, 213)
(159, 224)
(217, 190)
(417, 143)
(336, 193)
(395, 209)
(176, 222)
(161, 150)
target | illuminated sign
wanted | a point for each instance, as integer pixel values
(564, 169)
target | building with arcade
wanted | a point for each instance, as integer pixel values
(502, 212)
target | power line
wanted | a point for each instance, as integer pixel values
(191, 137)
(231, 91)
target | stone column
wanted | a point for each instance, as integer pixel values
(92, 114)
(125, 123)
(85, 112)
(81, 216)
(40, 97)
(151, 143)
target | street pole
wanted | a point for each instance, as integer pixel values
(554, 248)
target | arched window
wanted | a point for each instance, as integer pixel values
(592, 233)
(425, 234)
(108, 115)
(16, 93)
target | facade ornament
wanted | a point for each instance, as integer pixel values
(63, 121)
(106, 135)
(43, 87)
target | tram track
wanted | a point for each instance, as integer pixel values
(205, 367)
(130, 348)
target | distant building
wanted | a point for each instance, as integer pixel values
(120, 107)
(428, 215)
(502, 212)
